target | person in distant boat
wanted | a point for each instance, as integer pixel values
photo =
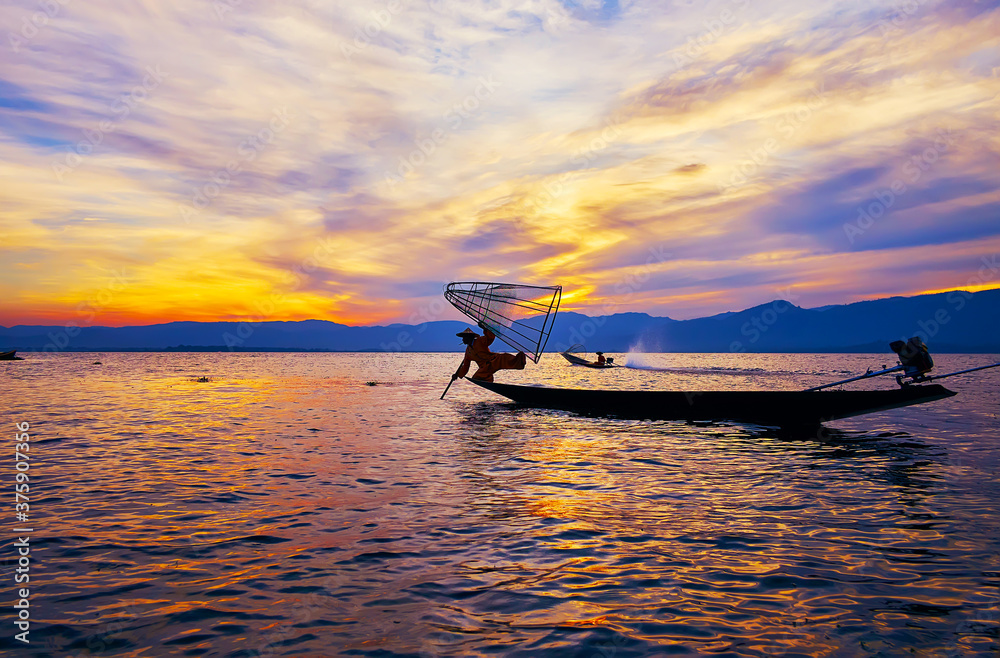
(478, 350)
(600, 359)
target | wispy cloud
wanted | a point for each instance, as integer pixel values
(537, 140)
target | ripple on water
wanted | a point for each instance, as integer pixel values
(284, 507)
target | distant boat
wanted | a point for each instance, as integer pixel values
(8, 356)
(572, 355)
(761, 407)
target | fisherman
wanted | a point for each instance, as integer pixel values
(600, 359)
(478, 350)
(913, 356)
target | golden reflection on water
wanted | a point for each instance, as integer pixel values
(284, 505)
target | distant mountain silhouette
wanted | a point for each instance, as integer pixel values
(954, 321)
(948, 322)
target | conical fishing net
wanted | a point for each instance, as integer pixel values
(520, 315)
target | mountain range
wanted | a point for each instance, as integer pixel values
(954, 321)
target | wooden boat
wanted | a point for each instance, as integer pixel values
(8, 356)
(761, 407)
(572, 355)
(579, 361)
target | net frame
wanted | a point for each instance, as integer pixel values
(474, 299)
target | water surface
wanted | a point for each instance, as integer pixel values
(286, 507)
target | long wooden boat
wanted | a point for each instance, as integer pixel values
(8, 356)
(761, 407)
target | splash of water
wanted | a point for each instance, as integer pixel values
(642, 354)
(648, 361)
(641, 361)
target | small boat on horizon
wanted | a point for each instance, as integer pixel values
(573, 356)
(9, 356)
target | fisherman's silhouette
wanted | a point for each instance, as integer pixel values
(478, 350)
(913, 356)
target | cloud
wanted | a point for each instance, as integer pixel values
(212, 149)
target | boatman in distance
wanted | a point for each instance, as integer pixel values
(600, 359)
(478, 350)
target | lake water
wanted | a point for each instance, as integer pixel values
(285, 507)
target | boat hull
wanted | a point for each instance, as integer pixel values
(578, 361)
(761, 407)
(8, 356)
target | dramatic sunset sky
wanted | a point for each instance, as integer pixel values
(199, 160)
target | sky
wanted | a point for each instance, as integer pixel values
(256, 160)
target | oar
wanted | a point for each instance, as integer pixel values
(888, 370)
(854, 379)
(446, 388)
(960, 372)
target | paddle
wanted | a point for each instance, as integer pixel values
(854, 379)
(960, 372)
(447, 387)
(920, 380)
